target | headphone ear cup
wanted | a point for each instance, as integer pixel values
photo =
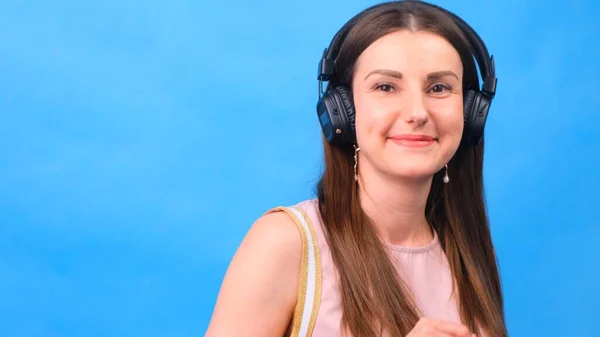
(348, 108)
(335, 110)
(468, 113)
(468, 106)
(476, 108)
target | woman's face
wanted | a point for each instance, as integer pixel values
(407, 90)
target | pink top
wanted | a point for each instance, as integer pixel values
(424, 269)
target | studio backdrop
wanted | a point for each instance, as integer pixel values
(139, 140)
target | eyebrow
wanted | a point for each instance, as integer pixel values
(439, 74)
(393, 73)
(386, 72)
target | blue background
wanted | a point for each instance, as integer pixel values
(140, 139)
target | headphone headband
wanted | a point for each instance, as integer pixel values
(485, 62)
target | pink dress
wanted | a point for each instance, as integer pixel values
(318, 312)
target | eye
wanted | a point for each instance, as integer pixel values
(385, 87)
(440, 88)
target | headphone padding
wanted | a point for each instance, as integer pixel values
(468, 115)
(468, 106)
(348, 106)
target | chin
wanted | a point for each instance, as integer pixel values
(416, 171)
(421, 163)
(413, 165)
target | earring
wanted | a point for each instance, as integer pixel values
(446, 178)
(356, 149)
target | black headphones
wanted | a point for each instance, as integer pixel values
(335, 107)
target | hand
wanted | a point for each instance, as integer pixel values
(429, 327)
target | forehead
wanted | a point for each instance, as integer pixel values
(410, 52)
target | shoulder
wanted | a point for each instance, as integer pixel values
(260, 288)
(279, 232)
(275, 232)
(285, 228)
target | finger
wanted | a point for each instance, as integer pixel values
(432, 322)
(440, 334)
(453, 329)
(430, 331)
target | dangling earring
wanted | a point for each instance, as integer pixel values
(446, 178)
(356, 149)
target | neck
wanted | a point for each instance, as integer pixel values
(396, 207)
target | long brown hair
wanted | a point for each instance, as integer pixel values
(373, 297)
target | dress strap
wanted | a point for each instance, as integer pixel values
(309, 290)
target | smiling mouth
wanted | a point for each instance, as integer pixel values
(413, 140)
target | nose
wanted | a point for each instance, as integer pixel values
(417, 111)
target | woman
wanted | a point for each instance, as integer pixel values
(397, 241)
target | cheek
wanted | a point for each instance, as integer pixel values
(449, 121)
(373, 118)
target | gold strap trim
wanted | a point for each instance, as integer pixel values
(298, 323)
(318, 274)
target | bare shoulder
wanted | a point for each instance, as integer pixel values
(276, 234)
(258, 293)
